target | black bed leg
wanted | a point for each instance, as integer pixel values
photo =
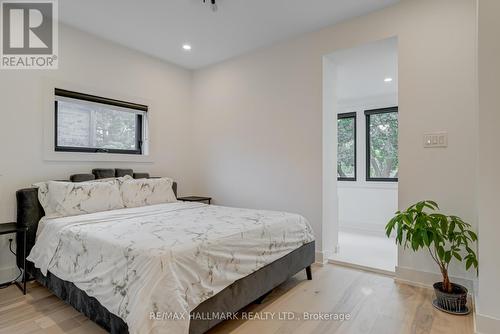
(309, 273)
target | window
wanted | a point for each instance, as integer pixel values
(346, 151)
(382, 144)
(87, 123)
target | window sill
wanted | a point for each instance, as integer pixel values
(368, 185)
(96, 157)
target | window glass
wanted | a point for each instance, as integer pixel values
(86, 123)
(346, 151)
(382, 153)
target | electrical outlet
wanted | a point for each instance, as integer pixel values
(435, 139)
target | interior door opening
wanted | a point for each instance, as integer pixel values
(366, 106)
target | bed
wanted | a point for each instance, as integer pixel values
(167, 259)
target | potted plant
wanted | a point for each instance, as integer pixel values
(421, 226)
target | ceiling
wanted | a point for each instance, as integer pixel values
(161, 27)
(361, 71)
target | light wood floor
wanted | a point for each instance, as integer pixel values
(376, 304)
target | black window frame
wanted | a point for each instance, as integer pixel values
(368, 113)
(106, 101)
(352, 115)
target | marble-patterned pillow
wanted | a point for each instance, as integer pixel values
(43, 192)
(43, 198)
(142, 192)
(71, 199)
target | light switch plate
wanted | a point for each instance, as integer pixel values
(435, 139)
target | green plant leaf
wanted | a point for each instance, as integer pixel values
(399, 236)
(440, 251)
(407, 220)
(390, 226)
(472, 235)
(451, 227)
(425, 238)
(433, 204)
(444, 225)
(447, 256)
(468, 263)
(415, 242)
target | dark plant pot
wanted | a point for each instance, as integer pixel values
(454, 302)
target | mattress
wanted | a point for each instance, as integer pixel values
(155, 264)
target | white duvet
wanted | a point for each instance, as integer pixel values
(165, 258)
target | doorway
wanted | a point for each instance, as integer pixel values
(366, 106)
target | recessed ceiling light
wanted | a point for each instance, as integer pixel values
(186, 47)
(387, 79)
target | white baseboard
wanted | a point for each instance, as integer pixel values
(8, 274)
(484, 324)
(427, 279)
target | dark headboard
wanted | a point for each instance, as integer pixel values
(30, 211)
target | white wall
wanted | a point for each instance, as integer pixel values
(258, 118)
(488, 306)
(95, 66)
(366, 209)
(366, 206)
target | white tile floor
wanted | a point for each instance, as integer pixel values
(367, 250)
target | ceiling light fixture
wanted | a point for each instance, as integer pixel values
(213, 5)
(186, 47)
(387, 79)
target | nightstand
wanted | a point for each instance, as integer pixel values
(13, 228)
(195, 199)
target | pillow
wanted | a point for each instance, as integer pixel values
(43, 192)
(60, 199)
(49, 207)
(142, 192)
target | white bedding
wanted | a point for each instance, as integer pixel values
(163, 258)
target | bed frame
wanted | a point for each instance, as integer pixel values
(241, 293)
